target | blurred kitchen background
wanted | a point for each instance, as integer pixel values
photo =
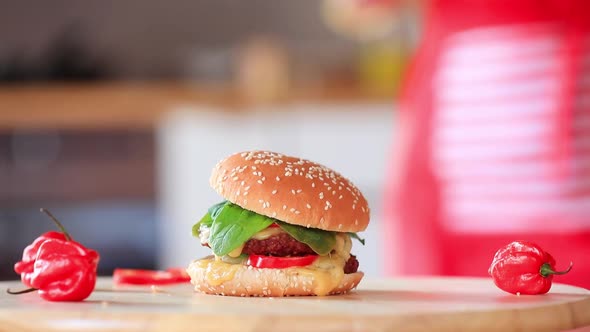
(112, 113)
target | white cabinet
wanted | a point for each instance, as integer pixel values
(352, 139)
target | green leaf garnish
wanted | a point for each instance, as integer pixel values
(320, 241)
(233, 226)
(355, 236)
(208, 218)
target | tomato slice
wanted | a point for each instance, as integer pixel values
(180, 272)
(273, 225)
(150, 277)
(271, 262)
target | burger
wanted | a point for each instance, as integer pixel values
(284, 228)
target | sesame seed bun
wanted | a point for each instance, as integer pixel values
(290, 189)
(249, 281)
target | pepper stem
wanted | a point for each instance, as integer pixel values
(24, 291)
(59, 225)
(546, 270)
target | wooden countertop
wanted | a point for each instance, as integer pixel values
(404, 304)
(133, 105)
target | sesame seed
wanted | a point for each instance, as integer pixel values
(260, 182)
(299, 191)
(274, 192)
(321, 195)
(333, 192)
(313, 185)
(308, 206)
(356, 222)
(235, 178)
(340, 197)
(254, 168)
(245, 193)
(242, 183)
(274, 214)
(288, 173)
(278, 178)
(292, 209)
(293, 191)
(353, 206)
(339, 226)
(297, 212)
(247, 187)
(284, 207)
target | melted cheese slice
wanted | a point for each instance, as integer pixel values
(327, 272)
(267, 232)
(216, 271)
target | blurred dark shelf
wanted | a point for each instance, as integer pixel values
(76, 166)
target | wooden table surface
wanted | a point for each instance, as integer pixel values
(408, 304)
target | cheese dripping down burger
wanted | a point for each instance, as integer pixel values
(284, 229)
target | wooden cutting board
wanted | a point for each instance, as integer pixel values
(409, 304)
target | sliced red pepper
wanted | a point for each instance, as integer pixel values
(180, 272)
(271, 262)
(150, 277)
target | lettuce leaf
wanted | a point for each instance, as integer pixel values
(232, 226)
(357, 237)
(320, 241)
(208, 218)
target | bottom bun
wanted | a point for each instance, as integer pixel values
(245, 280)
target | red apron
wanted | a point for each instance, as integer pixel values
(494, 141)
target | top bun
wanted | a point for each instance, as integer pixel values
(293, 190)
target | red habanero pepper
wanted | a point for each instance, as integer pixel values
(524, 268)
(56, 266)
(64, 271)
(25, 266)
